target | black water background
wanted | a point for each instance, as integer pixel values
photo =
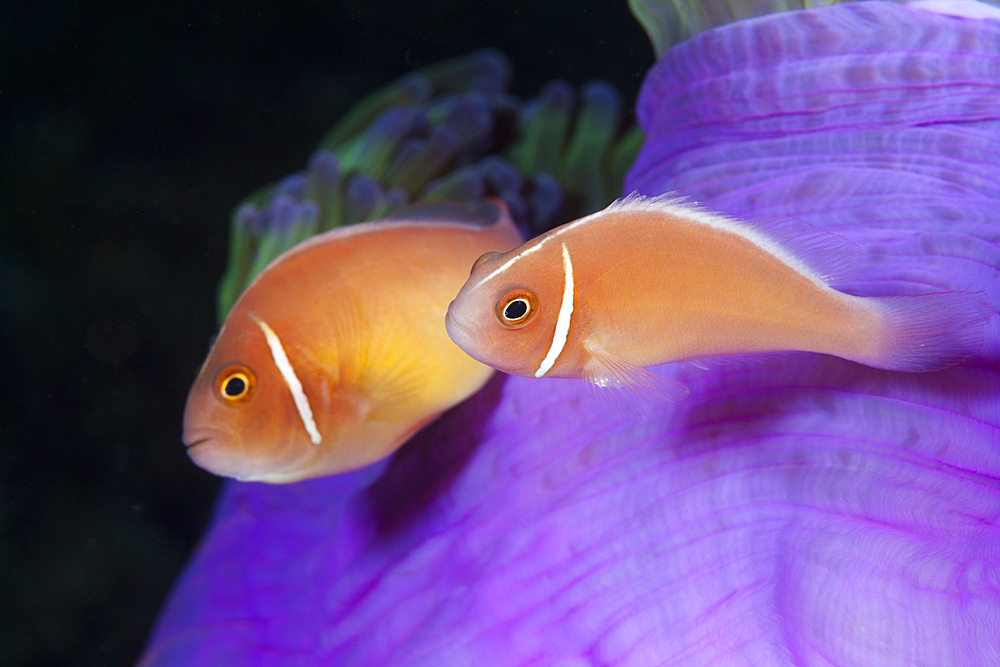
(128, 134)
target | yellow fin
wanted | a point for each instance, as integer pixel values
(631, 391)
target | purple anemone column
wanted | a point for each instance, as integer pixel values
(800, 510)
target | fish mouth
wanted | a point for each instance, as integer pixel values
(205, 451)
(200, 436)
(200, 442)
(469, 338)
(220, 451)
(212, 449)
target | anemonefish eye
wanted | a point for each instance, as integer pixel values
(235, 384)
(482, 258)
(516, 308)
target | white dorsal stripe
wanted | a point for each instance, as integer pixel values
(503, 267)
(561, 332)
(287, 372)
(618, 203)
(669, 204)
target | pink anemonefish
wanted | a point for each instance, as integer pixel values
(337, 353)
(651, 280)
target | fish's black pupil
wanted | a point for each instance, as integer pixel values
(516, 309)
(234, 386)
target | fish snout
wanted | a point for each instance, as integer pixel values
(198, 436)
(221, 452)
(467, 335)
(214, 450)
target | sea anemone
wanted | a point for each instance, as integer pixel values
(794, 510)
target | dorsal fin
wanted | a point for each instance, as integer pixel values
(483, 213)
(829, 258)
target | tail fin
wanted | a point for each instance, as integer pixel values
(928, 332)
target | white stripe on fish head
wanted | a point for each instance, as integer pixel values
(292, 380)
(561, 332)
(541, 241)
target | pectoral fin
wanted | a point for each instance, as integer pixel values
(631, 391)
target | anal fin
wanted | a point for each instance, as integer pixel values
(631, 391)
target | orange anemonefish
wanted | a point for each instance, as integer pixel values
(336, 353)
(651, 280)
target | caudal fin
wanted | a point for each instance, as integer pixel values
(928, 332)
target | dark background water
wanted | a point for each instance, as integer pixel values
(128, 135)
